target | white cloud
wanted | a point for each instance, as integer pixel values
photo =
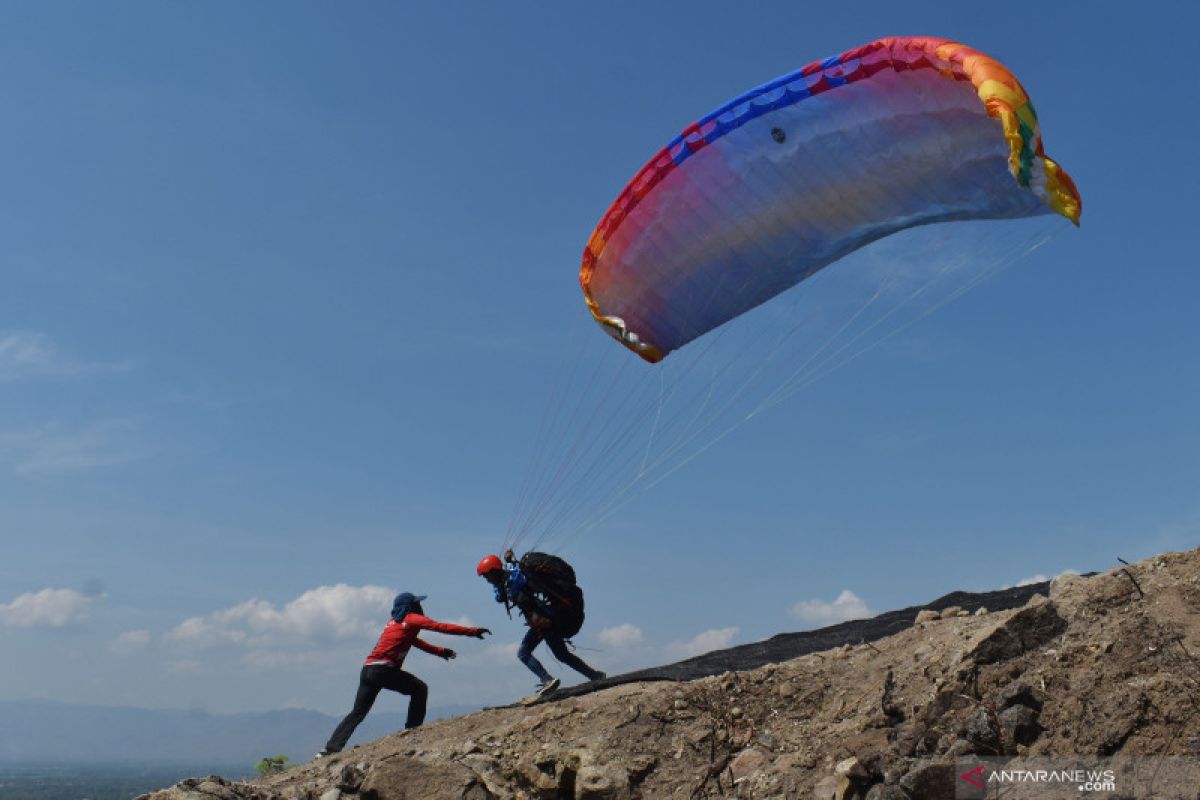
(621, 636)
(321, 614)
(49, 450)
(49, 608)
(189, 630)
(714, 639)
(25, 354)
(819, 613)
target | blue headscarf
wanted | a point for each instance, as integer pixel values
(404, 603)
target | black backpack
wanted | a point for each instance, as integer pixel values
(554, 579)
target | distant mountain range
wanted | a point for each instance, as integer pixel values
(44, 731)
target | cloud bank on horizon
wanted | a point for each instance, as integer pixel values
(48, 608)
(326, 613)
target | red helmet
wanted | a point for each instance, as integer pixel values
(489, 564)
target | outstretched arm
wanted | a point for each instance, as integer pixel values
(427, 624)
(432, 648)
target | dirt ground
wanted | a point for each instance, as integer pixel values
(1103, 667)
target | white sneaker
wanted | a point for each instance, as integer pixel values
(546, 687)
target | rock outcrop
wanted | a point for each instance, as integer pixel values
(1106, 664)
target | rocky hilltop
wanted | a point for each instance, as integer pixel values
(1102, 665)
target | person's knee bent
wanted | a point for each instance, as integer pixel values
(558, 647)
(527, 647)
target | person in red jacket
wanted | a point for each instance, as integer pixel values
(382, 670)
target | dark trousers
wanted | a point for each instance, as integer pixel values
(559, 648)
(370, 681)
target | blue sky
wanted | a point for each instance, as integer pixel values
(289, 285)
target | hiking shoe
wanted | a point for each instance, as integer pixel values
(546, 687)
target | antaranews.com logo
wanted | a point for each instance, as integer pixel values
(1082, 777)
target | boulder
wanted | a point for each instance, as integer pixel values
(982, 732)
(602, 782)
(542, 774)
(1020, 724)
(848, 780)
(930, 781)
(409, 779)
(1020, 693)
(959, 748)
(1030, 627)
(882, 791)
(350, 777)
(1063, 583)
(852, 768)
(832, 787)
(747, 763)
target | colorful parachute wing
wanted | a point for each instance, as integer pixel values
(791, 176)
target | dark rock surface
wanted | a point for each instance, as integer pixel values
(786, 646)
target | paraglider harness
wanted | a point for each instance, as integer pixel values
(551, 581)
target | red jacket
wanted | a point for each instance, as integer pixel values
(398, 637)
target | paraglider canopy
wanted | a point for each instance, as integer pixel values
(790, 177)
